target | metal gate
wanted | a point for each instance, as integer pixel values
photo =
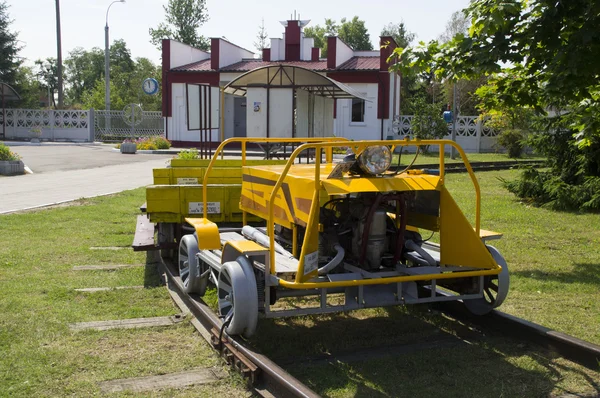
(117, 125)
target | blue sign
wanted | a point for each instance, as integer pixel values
(447, 116)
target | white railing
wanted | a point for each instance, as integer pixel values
(76, 125)
(471, 132)
(68, 125)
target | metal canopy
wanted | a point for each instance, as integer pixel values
(288, 76)
(8, 93)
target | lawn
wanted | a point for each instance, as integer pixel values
(40, 355)
(555, 281)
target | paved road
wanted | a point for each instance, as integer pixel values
(69, 172)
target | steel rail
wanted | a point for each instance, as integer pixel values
(272, 374)
(579, 351)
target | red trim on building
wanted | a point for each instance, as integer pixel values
(385, 52)
(335, 108)
(166, 66)
(214, 54)
(383, 96)
(292, 41)
(210, 78)
(314, 54)
(331, 49)
(354, 76)
(266, 54)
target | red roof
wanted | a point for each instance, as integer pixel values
(200, 66)
(248, 65)
(360, 63)
(354, 63)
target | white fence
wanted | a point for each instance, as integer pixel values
(78, 126)
(69, 125)
(471, 133)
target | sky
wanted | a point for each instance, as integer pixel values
(82, 21)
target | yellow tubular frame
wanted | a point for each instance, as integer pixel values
(244, 141)
(358, 147)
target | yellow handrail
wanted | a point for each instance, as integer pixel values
(358, 147)
(243, 141)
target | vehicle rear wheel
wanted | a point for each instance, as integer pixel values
(189, 268)
(495, 288)
(237, 297)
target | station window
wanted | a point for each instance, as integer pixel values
(358, 110)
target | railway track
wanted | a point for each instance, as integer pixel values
(269, 379)
(481, 166)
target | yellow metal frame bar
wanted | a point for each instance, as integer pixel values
(244, 141)
(358, 147)
(387, 280)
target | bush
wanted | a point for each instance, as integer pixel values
(512, 140)
(188, 154)
(7, 154)
(547, 190)
(149, 143)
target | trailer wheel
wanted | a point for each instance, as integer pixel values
(495, 288)
(237, 297)
(166, 234)
(189, 270)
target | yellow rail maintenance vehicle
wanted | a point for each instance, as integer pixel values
(352, 230)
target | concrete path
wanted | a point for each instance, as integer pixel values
(68, 172)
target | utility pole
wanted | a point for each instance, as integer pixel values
(59, 56)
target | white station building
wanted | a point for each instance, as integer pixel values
(289, 92)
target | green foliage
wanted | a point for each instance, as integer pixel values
(355, 34)
(149, 143)
(9, 48)
(83, 70)
(352, 32)
(398, 31)
(428, 122)
(183, 19)
(320, 33)
(512, 141)
(47, 76)
(551, 49)
(7, 154)
(28, 88)
(262, 37)
(188, 154)
(548, 190)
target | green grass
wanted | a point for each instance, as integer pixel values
(433, 158)
(553, 259)
(40, 355)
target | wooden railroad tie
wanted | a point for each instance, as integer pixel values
(127, 323)
(172, 380)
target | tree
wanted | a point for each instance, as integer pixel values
(47, 76)
(320, 34)
(28, 87)
(183, 19)
(398, 31)
(83, 70)
(544, 56)
(9, 49)
(355, 34)
(458, 24)
(261, 38)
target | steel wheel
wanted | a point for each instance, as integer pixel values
(189, 267)
(166, 234)
(237, 297)
(495, 288)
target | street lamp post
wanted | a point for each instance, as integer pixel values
(106, 64)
